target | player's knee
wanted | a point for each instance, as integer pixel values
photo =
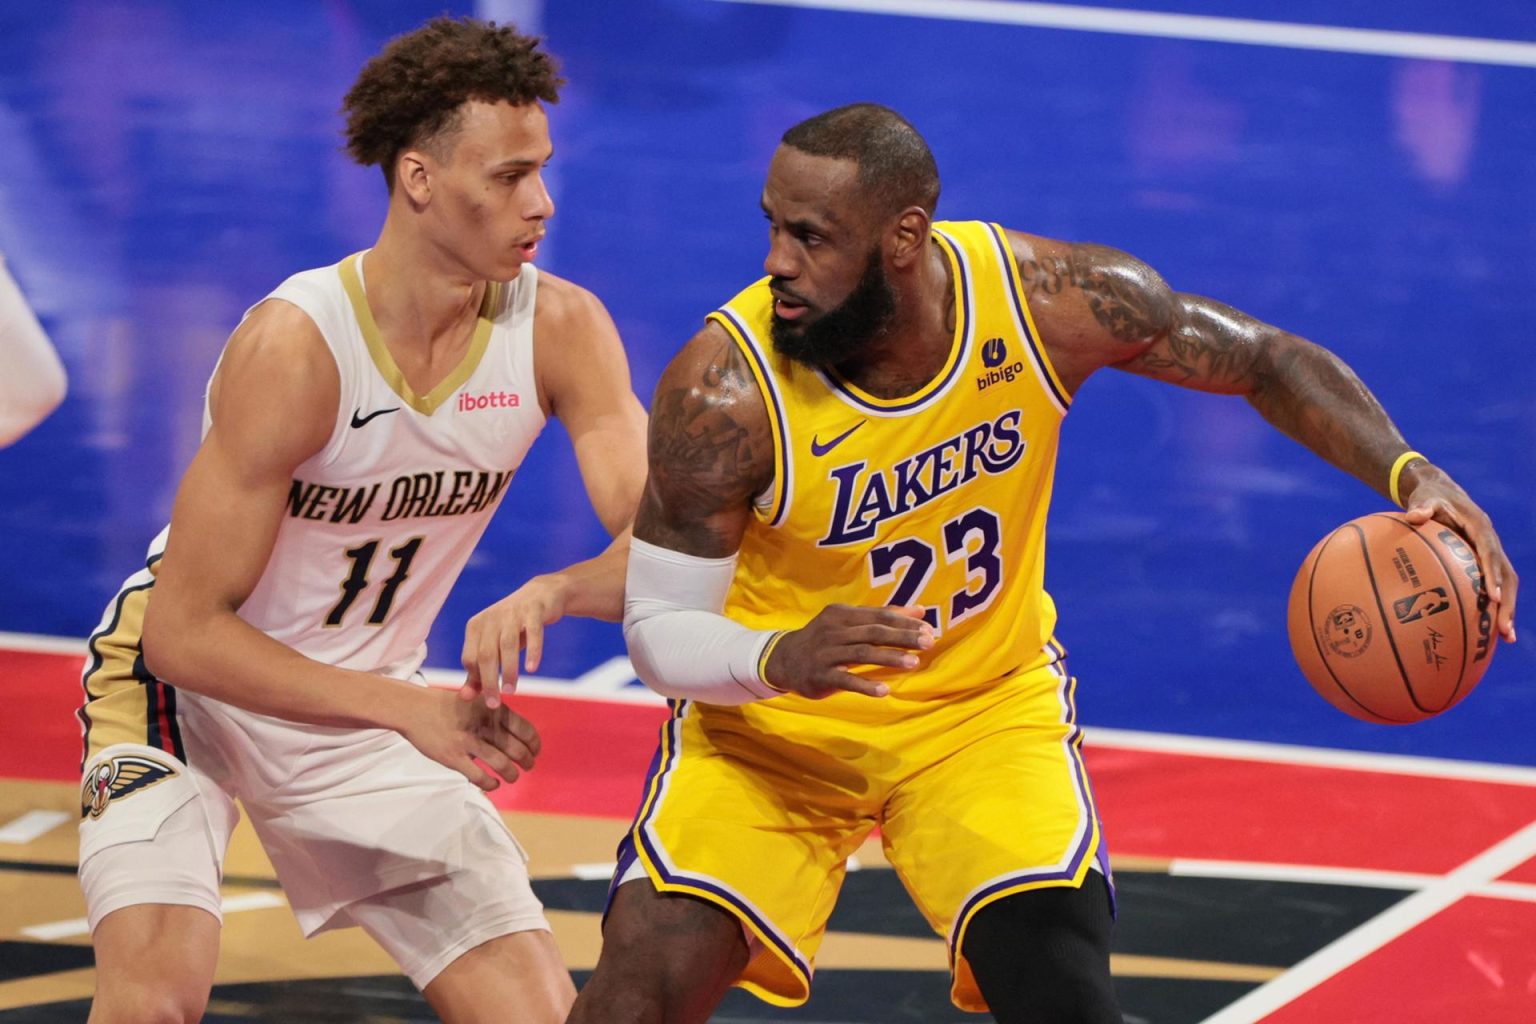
(148, 1001)
(1043, 955)
(671, 939)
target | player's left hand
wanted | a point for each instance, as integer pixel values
(494, 638)
(1434, 495)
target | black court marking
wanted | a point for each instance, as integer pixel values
(1214, 920)
(21, 959)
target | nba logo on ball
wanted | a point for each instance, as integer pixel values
(1401, 666)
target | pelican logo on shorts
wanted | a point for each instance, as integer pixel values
(1347, 631)
(121, 776)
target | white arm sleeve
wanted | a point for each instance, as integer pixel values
(679, 642)
(32, 380)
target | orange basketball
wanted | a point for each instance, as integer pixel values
(1389, 621)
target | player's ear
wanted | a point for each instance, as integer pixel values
(413, 176)
(909, 236)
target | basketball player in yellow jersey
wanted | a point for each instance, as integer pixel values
(362, 426)
(837, 577)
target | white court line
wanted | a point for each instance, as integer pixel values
(31, 643)
(1288, 35)
(593, 872)
(1509, 891)
(1125, 739)
(612, 675)
(1322, 757)
(554, 686)
(1391, 923)
(1261, 872)
(600, 683)
(1327, 875)
(31, 825)
(76, 927)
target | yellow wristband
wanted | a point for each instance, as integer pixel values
(1397, 474)
(762, 660)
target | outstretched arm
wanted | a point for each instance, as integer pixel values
(584, 382)
(1097, 307)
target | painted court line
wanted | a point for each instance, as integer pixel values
(1202, 28)
(32, 643)
(1322, 757)
(1125, 739)
(554, 686)
(1391, 923)
(1323, 875)
(31, 825)
(593, 872)
(611, 676)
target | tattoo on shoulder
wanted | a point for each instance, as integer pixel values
(704, 453)
(1112, 284)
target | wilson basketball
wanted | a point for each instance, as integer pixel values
(1389, 621)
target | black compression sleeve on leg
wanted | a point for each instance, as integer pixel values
(1042, 956)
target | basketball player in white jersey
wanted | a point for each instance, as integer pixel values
(32, 379)
(362, 426)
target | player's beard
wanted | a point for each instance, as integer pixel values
(841, 332)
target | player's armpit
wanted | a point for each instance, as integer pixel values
(710, 449)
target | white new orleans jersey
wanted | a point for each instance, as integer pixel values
(380, 521)
(377, 524)
(375, 529)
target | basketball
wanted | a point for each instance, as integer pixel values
(1389, 621)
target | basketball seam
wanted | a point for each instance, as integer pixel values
(1386, 628)
(1312, 628)
(1466, 646)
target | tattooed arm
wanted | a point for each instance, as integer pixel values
(710, 450)
(1097, 307)
(710, 453)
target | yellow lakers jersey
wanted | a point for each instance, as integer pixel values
(936, 499)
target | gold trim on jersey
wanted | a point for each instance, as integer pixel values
(352, 281)
(756, 354)
(1025, 320)
(959, 349)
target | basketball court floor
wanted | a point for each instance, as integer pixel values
(1361, 177)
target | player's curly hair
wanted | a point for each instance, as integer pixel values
(411, 93)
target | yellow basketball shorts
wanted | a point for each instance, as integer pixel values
(757, 809)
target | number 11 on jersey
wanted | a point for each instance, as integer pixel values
(357, 580)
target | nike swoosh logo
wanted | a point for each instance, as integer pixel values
(358, 421)
(819, 449)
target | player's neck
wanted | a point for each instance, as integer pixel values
(916, 345)
(416, 299)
